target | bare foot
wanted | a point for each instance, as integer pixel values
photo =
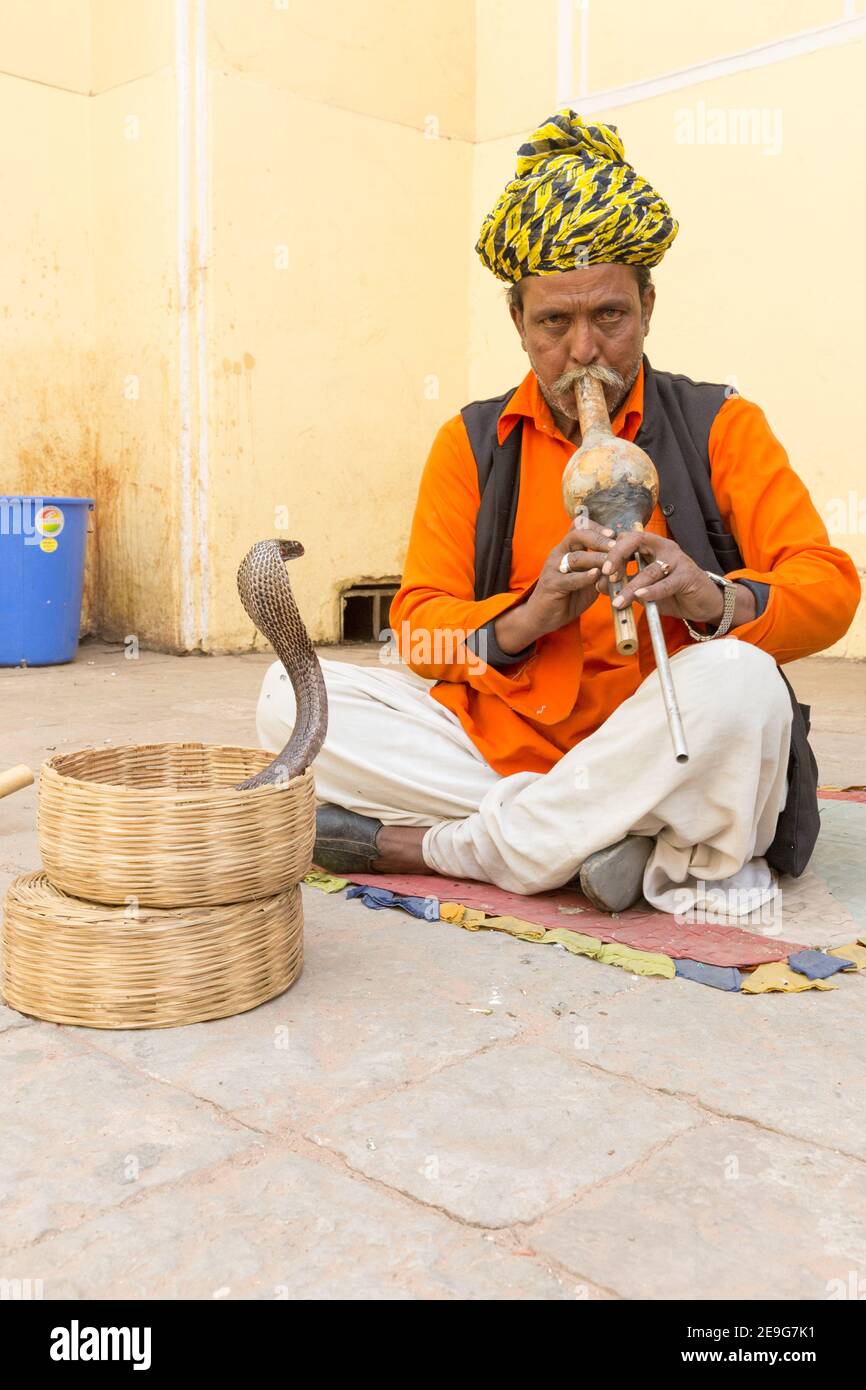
(399, 849)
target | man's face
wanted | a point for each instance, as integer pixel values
(587, 317)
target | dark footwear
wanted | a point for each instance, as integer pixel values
(612, 878)
(345, 840)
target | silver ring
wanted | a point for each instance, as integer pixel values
(665, 569)
(564, 566)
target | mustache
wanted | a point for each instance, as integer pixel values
(606, 375)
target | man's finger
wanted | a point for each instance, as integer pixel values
(588, 537)
(575, 561)
(579, 579)
(603, 584)
(655, 592)
(630, 542)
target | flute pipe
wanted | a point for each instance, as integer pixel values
(624, 621)
(666, 680)
(624, 625)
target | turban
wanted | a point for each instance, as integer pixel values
(574, 201)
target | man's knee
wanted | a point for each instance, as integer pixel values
(734, 681)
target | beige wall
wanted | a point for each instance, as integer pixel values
(243, 294)
(46, 322)
(337, 331)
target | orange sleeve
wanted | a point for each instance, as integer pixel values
(435, 610)
(814, 588)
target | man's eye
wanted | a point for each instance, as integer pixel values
(610, 314)
(554, 318)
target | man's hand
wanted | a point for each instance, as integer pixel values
(670, 579)
(558, 597)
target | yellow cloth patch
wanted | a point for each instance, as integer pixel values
(472, 918)
(515, 926)
(327, 882)
(777, 975)
(451, 912)
(573, 941)
(574, 201)
(854, 952)
(639, 962)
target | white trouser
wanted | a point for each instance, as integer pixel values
(395, 753)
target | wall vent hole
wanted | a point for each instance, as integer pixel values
(364, 611)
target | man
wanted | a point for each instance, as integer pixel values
(519, 747)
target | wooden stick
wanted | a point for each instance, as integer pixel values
(15, 778)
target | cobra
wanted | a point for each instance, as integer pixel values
(266, 594)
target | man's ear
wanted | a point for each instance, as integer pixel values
(646, 308)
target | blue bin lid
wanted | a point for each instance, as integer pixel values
(45, 499)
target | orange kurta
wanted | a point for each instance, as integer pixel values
(525, 717)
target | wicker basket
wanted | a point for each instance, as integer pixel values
(160, 824)
(69, 961)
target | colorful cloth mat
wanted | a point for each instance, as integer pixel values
(803, 970)
(655, 932)
(842, 794)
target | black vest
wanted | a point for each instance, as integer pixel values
(677, 417)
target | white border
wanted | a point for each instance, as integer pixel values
(201, 169)
(763, 55)
(182, 87)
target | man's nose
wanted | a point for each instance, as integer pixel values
(582, 347)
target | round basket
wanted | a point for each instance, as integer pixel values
(70, 961)
(160, 824)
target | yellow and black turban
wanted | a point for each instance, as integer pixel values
(575, 201)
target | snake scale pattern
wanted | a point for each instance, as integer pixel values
(266, 594)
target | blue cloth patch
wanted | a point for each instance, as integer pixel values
(816, 965)
(427, 909)
(716, 976)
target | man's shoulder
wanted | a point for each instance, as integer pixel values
(703, 407)
(681, 384)
(452, 435)
(490, 402)
(724, 397)
(474, 420)
(450, 461)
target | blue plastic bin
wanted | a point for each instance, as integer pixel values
(42, 542)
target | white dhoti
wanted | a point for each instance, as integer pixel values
(395, 753)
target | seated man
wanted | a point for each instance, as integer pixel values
(519, 748)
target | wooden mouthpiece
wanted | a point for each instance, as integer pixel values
(591, 407)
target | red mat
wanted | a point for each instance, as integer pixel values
(642, 930)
